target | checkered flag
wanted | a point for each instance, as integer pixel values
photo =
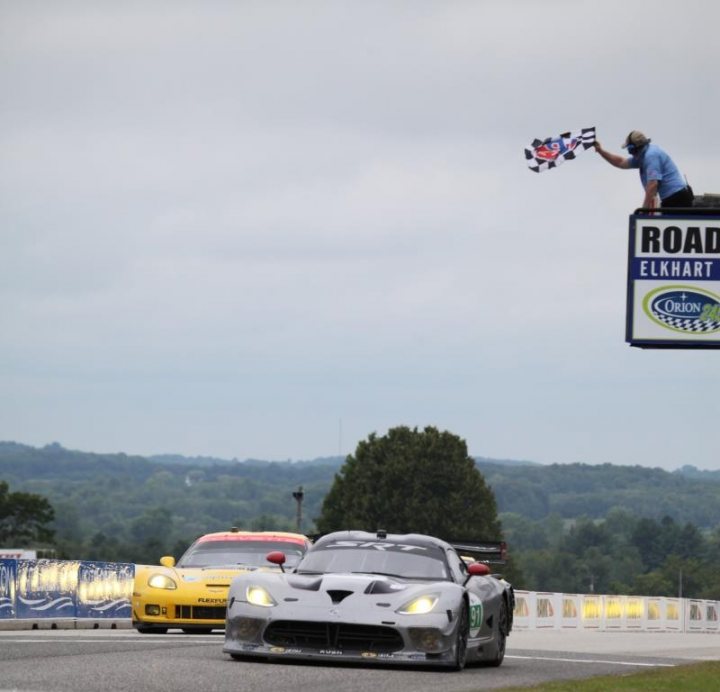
(544, 154)
(687, 324)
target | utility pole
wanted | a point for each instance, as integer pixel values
(680, 598)
(298, 495)
(680, 584)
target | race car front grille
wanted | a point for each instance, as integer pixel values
(188, 612)
(333, 635)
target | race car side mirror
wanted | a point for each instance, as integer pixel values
(478, 569)
(277, 557)
(167, 561)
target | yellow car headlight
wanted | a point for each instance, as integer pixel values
(161, 581)
(420, 605)
(259, 596)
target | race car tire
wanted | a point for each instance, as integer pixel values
(152, 630)
(497, 651)
(461, 640)
(243, 657)
(197, 630)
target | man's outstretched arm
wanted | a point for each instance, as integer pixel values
(613, 159)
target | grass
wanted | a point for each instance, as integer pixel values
(697, 677)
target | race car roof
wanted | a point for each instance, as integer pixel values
(367, 536)
(279, 536)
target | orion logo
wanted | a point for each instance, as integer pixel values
(684, 309)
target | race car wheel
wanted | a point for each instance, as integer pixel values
(197, 630)
(461, 640)
(498, 650)
(152, 630)
(243, 657)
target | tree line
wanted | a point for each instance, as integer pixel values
(572, 528)
(621, 554)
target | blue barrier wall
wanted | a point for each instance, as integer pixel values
(65, 589)
(105, 590)
(8, 569)
(46, 588)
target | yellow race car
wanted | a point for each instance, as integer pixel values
(192, 594)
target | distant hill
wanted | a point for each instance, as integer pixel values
(116, 492)
(180, 460)
(504, 462)
(122, 495)
(332, 461)
(215, 461)
(692, 472)
(573, 490)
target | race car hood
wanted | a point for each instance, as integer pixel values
(354, 583)
(210, 576)
(219, 577)
(327, 589)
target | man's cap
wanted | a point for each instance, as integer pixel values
(635, 138)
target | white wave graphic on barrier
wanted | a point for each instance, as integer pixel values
(58, 603)
(6, 604)
(104, 607)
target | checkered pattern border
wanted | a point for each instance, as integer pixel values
(686, 324)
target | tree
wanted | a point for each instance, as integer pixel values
(524, 533)
(648, 538)
(24, 518)
(586, 534)
(103, 548)
(521, 495)
(412, 481)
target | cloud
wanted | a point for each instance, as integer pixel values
(225, 220)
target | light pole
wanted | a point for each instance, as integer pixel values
(298, 495)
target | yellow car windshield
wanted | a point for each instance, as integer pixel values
(239, 553)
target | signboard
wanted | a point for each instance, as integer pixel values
(673, 297)
(17, 554)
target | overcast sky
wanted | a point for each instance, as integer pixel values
(268, 229)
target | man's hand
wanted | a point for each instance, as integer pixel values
(651, 190)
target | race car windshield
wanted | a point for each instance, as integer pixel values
(234, 553)
(407, 562)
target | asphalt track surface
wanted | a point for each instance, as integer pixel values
(122, 659)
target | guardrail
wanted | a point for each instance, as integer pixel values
(79, 593)
(65, 593)
(560, 611)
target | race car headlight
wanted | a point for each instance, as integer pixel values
(161, 581)
(259, 596)
(420, 605)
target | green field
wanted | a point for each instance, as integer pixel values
(700, 677)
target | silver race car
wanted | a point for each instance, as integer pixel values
(378, 598)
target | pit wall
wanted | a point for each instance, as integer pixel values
(81, 594)
(560, 611)
(65, 593)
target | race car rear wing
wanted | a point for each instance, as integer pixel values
(470, 550)
(489, 552)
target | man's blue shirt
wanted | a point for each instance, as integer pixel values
(655, 164)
